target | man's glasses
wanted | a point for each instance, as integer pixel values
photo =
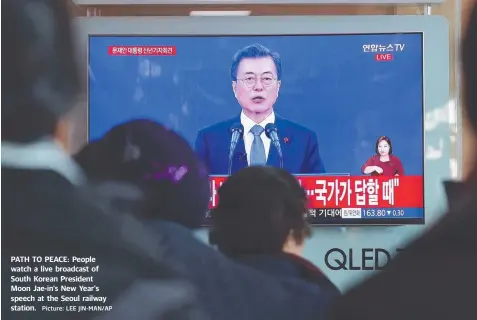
(252, 81)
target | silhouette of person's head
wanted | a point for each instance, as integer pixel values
(39, 70)
(261, 210)
(160, 162)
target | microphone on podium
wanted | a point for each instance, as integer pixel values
(272, 133)
(237, 132)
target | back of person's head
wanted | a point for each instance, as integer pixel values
(159, 161)
(40, 80)
(469, 69)
(259, 210)
(90, 158)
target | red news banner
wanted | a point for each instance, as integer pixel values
(352, 192)
(142, 50)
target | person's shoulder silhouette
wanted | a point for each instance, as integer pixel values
(46, 211)
(434, 277)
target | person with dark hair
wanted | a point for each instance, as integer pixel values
(261, 210)
(434, 277)
(145, 154)
(260, 222)
(256, 79)
(47, 210)
(384, 162)
(175, 189)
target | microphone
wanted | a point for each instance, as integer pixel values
(272, 133)
(237, 132)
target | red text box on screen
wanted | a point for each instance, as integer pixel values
(352, 192)
(142, 50)
(383, 57)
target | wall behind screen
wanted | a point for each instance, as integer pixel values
(436, 98)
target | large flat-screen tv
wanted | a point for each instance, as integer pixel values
(346, 110)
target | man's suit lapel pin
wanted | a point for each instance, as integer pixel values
(286, 140)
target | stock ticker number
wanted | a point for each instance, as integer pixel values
(383, 213)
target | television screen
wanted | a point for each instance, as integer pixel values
(342, 112)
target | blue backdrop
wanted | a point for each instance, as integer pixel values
(329, 84)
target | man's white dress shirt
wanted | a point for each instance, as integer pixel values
(248, 136)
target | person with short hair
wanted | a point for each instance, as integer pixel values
(47, 210)
(260, 222)
(434, 277)
(256, 74)
(261, 210)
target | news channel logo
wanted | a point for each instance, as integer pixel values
(372, 259)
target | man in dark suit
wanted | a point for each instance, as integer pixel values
(435, 277)
(47, 210)
(256, 78)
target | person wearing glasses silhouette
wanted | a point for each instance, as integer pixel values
(256, 79)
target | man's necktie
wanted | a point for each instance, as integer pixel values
(257, 153)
